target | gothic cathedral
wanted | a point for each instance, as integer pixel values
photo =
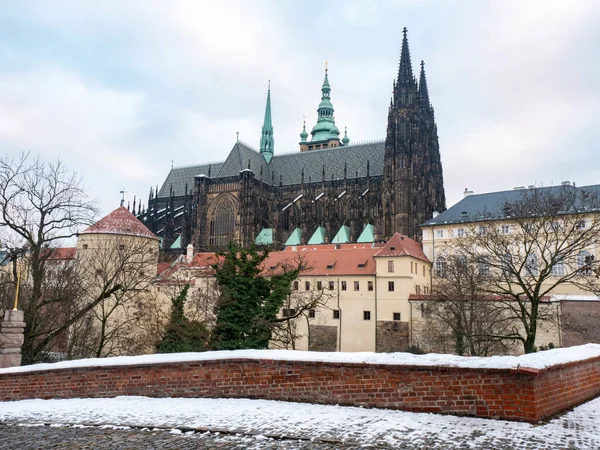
(331, 191)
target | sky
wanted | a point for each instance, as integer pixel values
(122, 90)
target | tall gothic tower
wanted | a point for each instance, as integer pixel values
(413, 185)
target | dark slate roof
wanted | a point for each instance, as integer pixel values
(489, 206)
(287, 167)
(178, 176)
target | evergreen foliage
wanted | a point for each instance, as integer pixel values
(182, 335)
(247, 308)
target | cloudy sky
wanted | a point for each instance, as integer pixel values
(119, 89)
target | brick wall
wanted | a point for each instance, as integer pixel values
(527, 395)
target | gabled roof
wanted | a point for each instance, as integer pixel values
(122, 222)
(400, 245)
(287, 168)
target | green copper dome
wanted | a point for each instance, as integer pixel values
(304, 134)
(345, 139)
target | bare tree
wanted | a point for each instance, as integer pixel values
(300, 305)
(129, 263)
(544, 240)
(41, 205)
(461, 312)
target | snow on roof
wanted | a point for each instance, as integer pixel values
(120, 221)
(540, 360)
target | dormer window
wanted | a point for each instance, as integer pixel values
(362, 264)
(331, 265)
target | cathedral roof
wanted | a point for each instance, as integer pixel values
(120, 221)
(287, 167)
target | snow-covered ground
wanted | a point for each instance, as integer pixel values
(538, 360)
(579, 428)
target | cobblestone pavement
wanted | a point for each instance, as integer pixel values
(33, 437)
(59, 437)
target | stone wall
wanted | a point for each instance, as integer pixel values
(392, 336)
(515, 394)
(580, 321)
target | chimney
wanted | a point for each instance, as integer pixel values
(467, 192)
(189, 253)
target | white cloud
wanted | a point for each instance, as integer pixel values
(58, 115)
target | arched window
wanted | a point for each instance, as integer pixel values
(440, 267)
(584, 263)
(222, 221)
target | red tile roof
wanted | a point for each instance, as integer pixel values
(61, 254)
(120, 221)
(400, 245)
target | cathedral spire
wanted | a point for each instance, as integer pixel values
(266, 140)
(325, 128)
(405, 73)
(424, 103)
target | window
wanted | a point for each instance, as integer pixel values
(482, 230)
(460, 232)
(483, 266)
(440, 267)
(531, 265)
(357, 286)
(331, 265)
(418, 289)
(426, 289)
(366, 315)
(295, 285)
(390, 266)
(307, 285)
(411, 267)
(584, 263)
(425, 310)
(396, 316)
(85, 246)
(505, 229)
(222, 220)
(423, 269)
(343, 285)
(319, 285)
(121, 247)
(336, 313)
(311, 313)
(391, 286)
(580, 225)
(331, 285)
(369, 285)
(440, 233)
(288, 312)
(558, 269)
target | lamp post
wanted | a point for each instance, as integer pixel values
(15, 307)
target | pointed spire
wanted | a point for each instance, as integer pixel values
(405, 73)
(266, 140)
(423, 91)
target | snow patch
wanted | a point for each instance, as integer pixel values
(540, 360)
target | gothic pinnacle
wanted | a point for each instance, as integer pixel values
(405, 73)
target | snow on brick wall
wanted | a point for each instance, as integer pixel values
(521, 393)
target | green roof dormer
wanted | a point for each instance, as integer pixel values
(266, 140)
